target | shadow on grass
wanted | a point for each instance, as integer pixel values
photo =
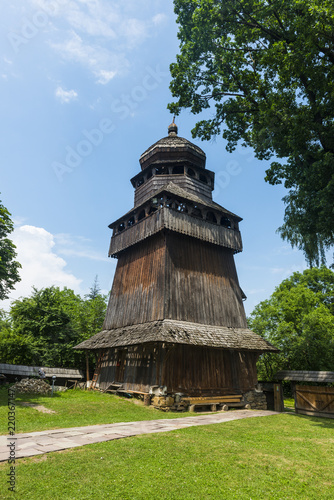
(22, 396)
(327, 423)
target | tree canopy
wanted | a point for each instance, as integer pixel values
(42, 329)
(268, 67)
(298, 318)
(9, 267)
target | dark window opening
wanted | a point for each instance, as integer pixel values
(121, 227)
(197, 212)
(141, 215)
(181, 207)
(210, 217)
(203, 178)
(178, 170)
(131, 221)
(149, 175)
(190, 172)
(140, 182)
(224, 221)
(152, 210)
(161, 170)
(169, 203)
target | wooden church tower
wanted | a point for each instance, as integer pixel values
(175, 317)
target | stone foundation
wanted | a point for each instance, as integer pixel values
(257, 399)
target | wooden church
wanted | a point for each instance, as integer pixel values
(175, 319)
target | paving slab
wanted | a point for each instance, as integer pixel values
(38, 443)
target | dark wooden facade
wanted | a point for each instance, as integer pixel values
(185, 369)
(175, 316)
(156, 281)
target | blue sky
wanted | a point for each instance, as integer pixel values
(84, 89)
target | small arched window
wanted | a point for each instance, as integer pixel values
(203, 178)
(210, 217)
(141, 215)
(190, 172)
(121, 227)
(140, 181)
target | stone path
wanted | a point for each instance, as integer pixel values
(38, 443)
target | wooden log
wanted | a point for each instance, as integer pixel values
(147, 399)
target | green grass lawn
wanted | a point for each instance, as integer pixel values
(76, 408)
(281, 457)
(276, 457)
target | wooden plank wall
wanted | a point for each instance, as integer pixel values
(176, 277)
(136, 367)
(137, 294)
(204, 371)
(179, 222)
(202, 283)
(188, 369)
(202, 229)
(156, 182)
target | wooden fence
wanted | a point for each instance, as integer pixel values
(315, 401)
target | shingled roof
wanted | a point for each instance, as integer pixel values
(167, 145)
(305, 376)
(179, 332)
(173, 189)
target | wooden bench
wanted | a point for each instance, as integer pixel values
(225, 402)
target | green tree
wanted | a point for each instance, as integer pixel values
(94, 310)
(43, 329)
(268, 67)
(298, 318)
(9, 267)
(50, 322)
(94, 290)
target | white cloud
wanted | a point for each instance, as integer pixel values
(65, 96)
(41, 266)
(77, 246)
(91, 23)
(159, 19)
(103, 63)
(98, 34)
(105, 76)
(135, 31)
